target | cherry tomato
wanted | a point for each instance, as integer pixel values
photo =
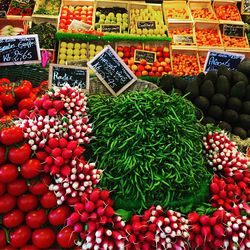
(66, 237)
(27, 202)
(13, 218)
(59, 215)
(7, 99)
(35, 219)
(20, 236)
(12, 135)
(8, 173)
(29, 247)
(48, 200)
(19, 155)
(40, 187)
(7, 203)
(2, 188)
(43, 238)
(3, 241)
(17, 187)
(31, 168)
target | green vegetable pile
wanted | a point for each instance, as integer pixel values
(150, 147)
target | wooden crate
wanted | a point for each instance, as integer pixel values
(193, 5)
(20, 24)
(213, 26)
(168, 6)
(134, 9)
(202, 54)
(16, 17)
(39, 4)
(246, 52)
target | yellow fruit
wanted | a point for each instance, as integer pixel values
(76, 52)
(83, 45)
(99, 48)
(70, 45)
(92, 52)
(83, 57)
(77, 45)
(69, 52)
(62, 56)
(62, 50)
(76, 57)
(92, 46)
(61, 62)
(83, 52)
(63, 45)
(69, 58)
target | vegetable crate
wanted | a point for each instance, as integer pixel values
(185, 61)
(13, 27)
(47, 9)
(146, 19)
(202, 11)
(176, 10)
(20, 11)
(208, 35)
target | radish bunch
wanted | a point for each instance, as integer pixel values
(59, 114)
(95, 221)
(75, 179)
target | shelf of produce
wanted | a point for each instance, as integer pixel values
(13, 27)
(235, 42)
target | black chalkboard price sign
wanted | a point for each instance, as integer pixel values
(183, 39)
(216, 58)
(2, 14)
(60, 75)
(245, 7)
(146, 25)
(16, 50)
(112, 71)
(111, 28)
(234, 30)
(149, 56)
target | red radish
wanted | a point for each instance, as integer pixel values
(218, 231)
(58, 105)
(72, 145)
(199, 240)
(214, 188)
(84, 217)
(104, 195)
(204, 220)
(63, 142)
(94, 196)
(193, 217)
(41, 155)
(89, 206)
(46, 104)
(109, 211)
(52, 112)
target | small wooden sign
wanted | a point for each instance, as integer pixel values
(245, 7)
(234, 30)
(60, 75)
(78, 25)
(116, 28)
(216, 58)
(149, 56)
(16, 50)
(183, 39)
(2, 14)
(112, 71)
(146, 25)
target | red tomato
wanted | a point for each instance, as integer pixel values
(13, 112)
(12, 135)
(35, 219)
(22, 91)
(7, 99)
(48, 200)
(19, 155)
(27, 202)
(8, 173)
(13, 218)
(2, 188)
(31, 168)
(59, 215)
(26, 83)
(29, 247)
(17, 187)
(66, 237)
(20, 236)
(43, 238)
(4, 80)
(26, 103)
(2, 238)
(8, 247)
(7, 203)
(40, 187)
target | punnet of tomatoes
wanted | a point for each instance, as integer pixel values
(18, 97)
(19, 8)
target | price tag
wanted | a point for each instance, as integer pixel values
(60, 75)
(79, 25)
(183, 39)
(111, 28)
(234, 30)
(23, 1)
(149, 56)
(146, 25)
(2, 14)
(112, 71)
(82, 63)
(216, 58)
(245, 7)
(16, 50)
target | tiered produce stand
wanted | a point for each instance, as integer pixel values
(116, 132)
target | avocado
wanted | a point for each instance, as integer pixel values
(246, 107)
(226, 126)
(247, 93)
(180, 83)
(222, 85)
(244, 67)
(242, 133)
(244, 121)
(207, 120)
(230, 116)
(192, 90)
(239, 76)
(207, 88)
(166, 83)
(201, 102)
(238, 90)
(234, 103)
(215, 112)
(219, 99)
(212, 76)
(200, 78)
(224, 71)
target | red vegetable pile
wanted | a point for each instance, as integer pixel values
(49, 198)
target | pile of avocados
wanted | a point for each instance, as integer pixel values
(222, 97)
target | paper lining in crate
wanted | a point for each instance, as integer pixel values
(79, 20)
(13, 27)
(185, 61)
(202, 10)
(208, 35)
(47, 9)
(202, 54)
(176, 10)
(112, 17)
(146, 19)
(226, 8)
(182, 33)
(24, 15)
